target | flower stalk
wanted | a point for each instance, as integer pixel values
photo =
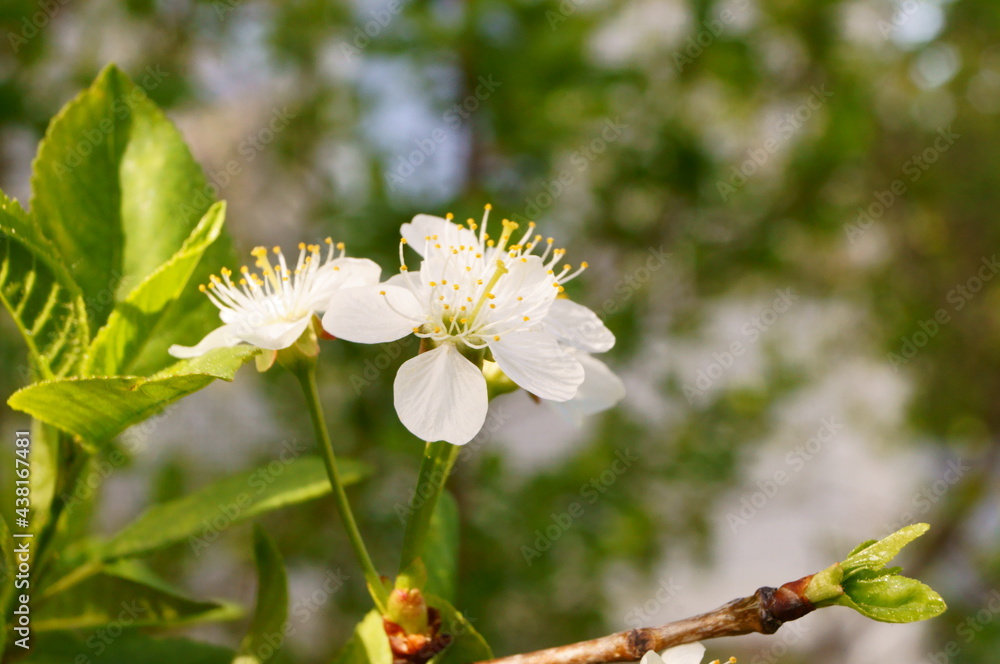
(306, 374)
(439, 459)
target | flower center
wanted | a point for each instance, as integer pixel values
(474, 288)
(276, 293)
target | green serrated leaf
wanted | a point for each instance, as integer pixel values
(40, 294)
(128, 648)
(467, 644)
(368, 644)
(97, 409)
(892, 598)
(875, 556)
(126, 596)
(130, 324)
(198, 516)
(115, 188)
(271, 614)
(441, 548)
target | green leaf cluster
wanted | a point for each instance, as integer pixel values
(864, 583)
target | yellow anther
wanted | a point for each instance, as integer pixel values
(276, 250)
(449, 216)
(463, 321)
(527, 318)
(555, 284)
(456, 286)
(584, 265)
(567, 266)
(302, 246)
(437, 330)
(524, 260)
(437, 246)
(403, 268)
(550, 240)
(433, 284)
(416, 329)
(202, 288)
(341, 245)
(496, 337)
(440, 297)
(328, 240)
(381, 292)
(468, 299)
(444, 282)
(493, 306)
(488, 206)
(468, 268)
(402, 240)
(243, 282)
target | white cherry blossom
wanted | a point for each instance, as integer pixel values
(473, 294)
(272, 309)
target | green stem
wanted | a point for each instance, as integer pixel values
(307, 379)
(439, 459)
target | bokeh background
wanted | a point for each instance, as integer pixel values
(816, 181)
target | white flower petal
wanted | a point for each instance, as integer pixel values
(448, 234)
(364, 315)
(651, 657)
(578, 326)
(689, 653)
(536, 362)
(274, 336)
(341, 273)
(601, 389)
(441, 395)
(221, 337)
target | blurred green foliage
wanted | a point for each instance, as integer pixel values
(366, 91)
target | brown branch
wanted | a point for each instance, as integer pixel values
(764, 611)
